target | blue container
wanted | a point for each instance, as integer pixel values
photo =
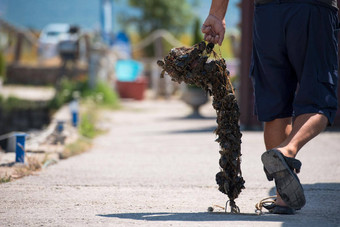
(128, 70)
(20, 147)
(75, 119)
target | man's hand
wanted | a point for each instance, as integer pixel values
(214, 29)
(214, 26)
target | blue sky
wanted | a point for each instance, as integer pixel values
(233, 15)
(38, 13)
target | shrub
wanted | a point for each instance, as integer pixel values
(2, 66)
(102, 94)
(10, 103)
(87, 126)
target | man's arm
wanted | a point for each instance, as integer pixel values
(214, 26)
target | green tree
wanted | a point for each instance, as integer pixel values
(197, 34)
(2, 66)
(172, 15)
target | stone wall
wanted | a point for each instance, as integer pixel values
(23, 119)
(28, 75)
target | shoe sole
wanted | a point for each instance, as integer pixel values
(286, 181)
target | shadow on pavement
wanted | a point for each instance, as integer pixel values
(189, 117)
(320, 197)
(322, 204)
(318, 187)
(210, 129)
(200, 216)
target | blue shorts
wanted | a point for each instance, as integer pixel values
(294, 65)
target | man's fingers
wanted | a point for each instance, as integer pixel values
(208, 38)
(205, 29)
(216, 39)
(213, 39)
(220, 40)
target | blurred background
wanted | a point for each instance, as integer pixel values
(59, 52)
(75, 70)
(59, 45)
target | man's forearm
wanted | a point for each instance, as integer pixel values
(219, 8)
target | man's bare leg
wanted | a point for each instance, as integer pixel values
(275, 132)
(305, 128)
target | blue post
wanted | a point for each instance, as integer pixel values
(74, 108)
(20, 147)
(60, 126)
(74, 119)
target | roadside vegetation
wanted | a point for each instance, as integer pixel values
(102, 94)
(31, 166)
(92, 102)
(76, 148)
(2, 66)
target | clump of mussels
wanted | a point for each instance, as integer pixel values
(193, 66)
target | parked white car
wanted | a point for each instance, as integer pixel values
(50, 37)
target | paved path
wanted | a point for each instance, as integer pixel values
(157, 168)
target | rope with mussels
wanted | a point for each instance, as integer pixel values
(193, 66)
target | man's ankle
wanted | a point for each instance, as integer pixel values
(279, 201)
(291, 153)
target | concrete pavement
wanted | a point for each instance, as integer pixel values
(157, 168)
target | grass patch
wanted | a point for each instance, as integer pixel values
(103, 94)
(92, 101)
(13, 103)
(78, 147)
(5, 179)
(87, 127)
(33, 165)
(89, 115)
(2, 66)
